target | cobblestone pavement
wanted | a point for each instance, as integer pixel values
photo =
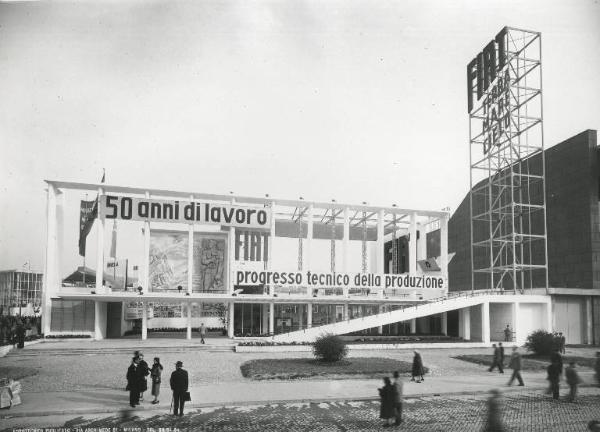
(524, 411)
(98, 370)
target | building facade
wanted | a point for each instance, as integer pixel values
(20, 292)
(573, 237)
(256, 266)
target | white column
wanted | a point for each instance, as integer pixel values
(346, 240)
(146, 278)
(346, 312)
(190, 264)
(445, 323)
(309, 237)
(421, 243)
(271, 248)
(412, 244)
(190, 277)
(380, 328)
(271, 318)
(380, 245)
(309, 315)
(98, 309)
(485, 322)
(346, 245)
(516, 324)
(188, 334)
(588, 315)
(50, 268)
(231, 264)
(444, 246)
(144, 320)
(230, 329)
(100, 246)
(466, 321)
(413, 326)
(549, 326)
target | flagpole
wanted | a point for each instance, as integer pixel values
(86, 197)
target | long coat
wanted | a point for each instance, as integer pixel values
(417, 366)
(156, 378)
(515, 361)
(179, 381)
(388, 402)
(133, 377)
(144, 371)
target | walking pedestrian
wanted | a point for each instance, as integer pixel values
(507, 334)
(202, 332)
(398, 388)
(554, 378)
(563, 342)
(597, 368)
(494, 415)
(573, 379)
(496, 360)
(143, 371)
(387, 396)
(179, 385)
(133, 383)
(156, 374)
(20, 331)
(417, 367)
(501, 348)
(555, 357)
(515, 365)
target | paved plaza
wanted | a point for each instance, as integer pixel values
(81, 384)
(521, 411)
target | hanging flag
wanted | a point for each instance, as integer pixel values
(86, 220)
(113, 244)
(88, 211)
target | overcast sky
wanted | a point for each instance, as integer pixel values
(352, 100)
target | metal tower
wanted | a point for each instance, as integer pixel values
(507, 199)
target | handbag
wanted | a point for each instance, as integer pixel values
(187, 397)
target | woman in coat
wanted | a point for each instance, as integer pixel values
(155, 374)
(388, 402)
(143, 371)
(417, 367)
(133, 383)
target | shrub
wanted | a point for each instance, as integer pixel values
(330, 348)
(542, 342)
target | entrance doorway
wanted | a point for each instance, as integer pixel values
(114, 312)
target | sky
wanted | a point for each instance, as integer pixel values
(348, 100)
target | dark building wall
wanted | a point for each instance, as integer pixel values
(573, 225)
(572, 209)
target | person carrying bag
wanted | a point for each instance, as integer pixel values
(179, 385)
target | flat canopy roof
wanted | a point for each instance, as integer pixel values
(240, 199)
(223, 298)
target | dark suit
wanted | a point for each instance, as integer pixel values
(133, 384)
(497, 361)
(179, 385)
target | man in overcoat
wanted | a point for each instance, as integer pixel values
(179, 385)
(133, 383)
(496, 360)
(515, 365)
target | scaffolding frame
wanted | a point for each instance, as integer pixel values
(507, 194)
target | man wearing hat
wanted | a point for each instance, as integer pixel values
(179, 385)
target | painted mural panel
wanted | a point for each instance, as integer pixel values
(210, 263)
(168, 260)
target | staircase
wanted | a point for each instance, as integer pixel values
(455, 300)
(127, 351)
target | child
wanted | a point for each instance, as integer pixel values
(573, 380)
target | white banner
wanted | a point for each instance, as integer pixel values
(153, 210)
(323, 280)
(134, 310)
